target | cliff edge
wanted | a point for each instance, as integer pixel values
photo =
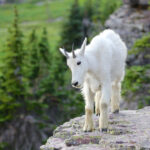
(128, 130)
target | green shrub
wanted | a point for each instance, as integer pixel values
(107, 7)
(141, 45)
(136, 85)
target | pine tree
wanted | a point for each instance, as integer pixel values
(44, 59)
(12, 90)
(44, 47)
(33, 66)
(51, 68)
(96, 11)
(88, 9)
(72, 28)
(38, 57)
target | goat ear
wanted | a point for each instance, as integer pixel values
(83, 46)
(63, 51)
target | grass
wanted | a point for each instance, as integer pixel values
(36, 15)
(49, 15)
(34, 12)
(46, 13)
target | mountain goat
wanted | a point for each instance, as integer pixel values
(98, 70)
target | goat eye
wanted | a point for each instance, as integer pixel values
(78, 63)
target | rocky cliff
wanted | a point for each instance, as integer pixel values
(131, 21)
(128, 130)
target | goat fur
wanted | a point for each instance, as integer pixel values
(100, 75)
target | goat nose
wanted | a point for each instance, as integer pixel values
(75, 83)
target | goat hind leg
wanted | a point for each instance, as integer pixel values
(97, 103)
(105, 98)
(115, 98)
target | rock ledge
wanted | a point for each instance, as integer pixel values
(128, 130)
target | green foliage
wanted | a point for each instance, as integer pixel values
(136, 84)
(33, 65)
(72, 28)
(137, 79)
(96, 11)
(88, 9)
(12, 91)
(36, 106)
(38, 56)
(141, 45)
(3, 145)
(22, 73)
(106, 8)
(44, 47)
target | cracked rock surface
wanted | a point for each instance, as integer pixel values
(128, 130)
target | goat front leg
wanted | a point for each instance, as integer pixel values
(105, 99)
(89, 104)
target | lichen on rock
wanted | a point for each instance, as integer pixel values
(130, 129)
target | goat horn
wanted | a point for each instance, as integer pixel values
(73, 53)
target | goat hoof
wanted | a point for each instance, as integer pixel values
(103, 129)
(98, 114)
(88, 128)
(116, 111)
(88, 131)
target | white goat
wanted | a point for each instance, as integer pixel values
(98, 70)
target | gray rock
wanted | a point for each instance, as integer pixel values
(130, 23)
(128, 130)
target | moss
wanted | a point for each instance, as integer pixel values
(63, 134)
(114, 131)
(118, 122)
